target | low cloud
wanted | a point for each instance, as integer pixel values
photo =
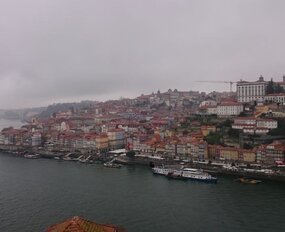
(70, 50)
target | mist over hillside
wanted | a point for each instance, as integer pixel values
(21, 114)
(58, 107)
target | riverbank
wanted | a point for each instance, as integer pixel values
(260, 173)
(254, 172)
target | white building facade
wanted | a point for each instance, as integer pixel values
(254, 125)
(251, 91)
(277, 97)
(229, 109)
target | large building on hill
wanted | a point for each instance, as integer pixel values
(251, 91)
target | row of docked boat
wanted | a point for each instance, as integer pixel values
(72, 157)
(88, 160)
(112, 164)
(184, 174)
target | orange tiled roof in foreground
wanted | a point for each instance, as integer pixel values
(77, 224)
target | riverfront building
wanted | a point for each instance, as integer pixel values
(232, 154)
(271, 153)
(36, 139)
(116, 138)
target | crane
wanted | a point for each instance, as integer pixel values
(227, 82)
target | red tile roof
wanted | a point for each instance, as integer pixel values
(77, 224)
(227, 103)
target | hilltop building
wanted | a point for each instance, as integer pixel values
(251, 91)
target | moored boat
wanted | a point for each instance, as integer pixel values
(196, 174)
(185, 173)
(177, 175)
(161, 171)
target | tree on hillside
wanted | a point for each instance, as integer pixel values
(280, 131)
(270, 87)
(233, 133)
(213, 138)
(279, 88)
(273, 87)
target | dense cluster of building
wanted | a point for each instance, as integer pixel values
(169, 124)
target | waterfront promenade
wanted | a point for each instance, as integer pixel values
(270, 173)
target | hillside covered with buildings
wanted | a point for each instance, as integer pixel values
(243, 126)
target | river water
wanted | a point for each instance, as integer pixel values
(37, 193)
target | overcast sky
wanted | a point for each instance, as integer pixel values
(70, 50)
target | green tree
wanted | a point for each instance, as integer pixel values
(213, 138)
(280, 130)
(233, 133)
(273, 87)
(270, 87)
(279, 88)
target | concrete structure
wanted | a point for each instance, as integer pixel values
(251, 125)
(231, 154)
(274, 152)
(102, 142)
(36, 139)
(271, 153)
(208, 103)
(116, 138)
(251, 91)
(275, 97)
(212, 110)
(226, 109)
(198, 150)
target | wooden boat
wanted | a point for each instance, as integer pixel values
(249, 181)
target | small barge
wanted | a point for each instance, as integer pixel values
(248, 181)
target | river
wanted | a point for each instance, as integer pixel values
(37, 193)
